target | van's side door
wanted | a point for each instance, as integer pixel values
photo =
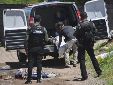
(96, 11)
(15, 27)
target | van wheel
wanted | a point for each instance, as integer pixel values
(21, 57)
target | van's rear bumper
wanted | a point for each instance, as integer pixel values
(47, 49)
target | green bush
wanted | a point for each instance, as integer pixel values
(106, 65)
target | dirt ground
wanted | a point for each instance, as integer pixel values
(66, 76)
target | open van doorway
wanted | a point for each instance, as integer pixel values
(15, 27)
(48, 11)
(97, 12)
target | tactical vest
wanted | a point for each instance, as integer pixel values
(36, 36)
(85, 32)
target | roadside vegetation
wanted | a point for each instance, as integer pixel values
(35, 1)
(106, 63)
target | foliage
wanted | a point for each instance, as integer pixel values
(77, 1)
(35, 1)
(106, 64)
(20, 1)
(107, 67)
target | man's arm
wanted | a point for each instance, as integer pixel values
(94, 30)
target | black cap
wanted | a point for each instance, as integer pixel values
(37, 18)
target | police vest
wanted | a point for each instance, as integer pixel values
(36, 36)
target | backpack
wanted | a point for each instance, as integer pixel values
(85, 31)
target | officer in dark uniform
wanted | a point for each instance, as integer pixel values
(37, 37)
(67, 32)
(85, 35)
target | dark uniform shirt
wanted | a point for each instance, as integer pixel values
(68, 32)
(37, 36)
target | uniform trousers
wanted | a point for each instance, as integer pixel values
(65, 49)
(81, 56)
(34, 59)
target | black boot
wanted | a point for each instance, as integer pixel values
(38, 80)
(99, 73)
(84, 78)
(28, 82)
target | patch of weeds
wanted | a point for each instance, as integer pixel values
(2, 64)
(110, 82)
(106, 64)
(107, 67)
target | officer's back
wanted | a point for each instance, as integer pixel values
(36, 39)
(85, 31)
(37, 35)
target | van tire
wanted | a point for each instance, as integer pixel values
(21, 57)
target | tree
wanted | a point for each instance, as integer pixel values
(80, 2)
(20, 1)
(35, 1)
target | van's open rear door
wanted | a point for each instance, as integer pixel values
(96, 11)
(15, 27)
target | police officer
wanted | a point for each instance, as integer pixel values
(85, 35)
(37, 37)
(67, 32)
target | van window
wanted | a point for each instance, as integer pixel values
(14, 19)
(95, 10)
(27, 13)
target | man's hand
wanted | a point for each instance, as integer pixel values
(52, 40)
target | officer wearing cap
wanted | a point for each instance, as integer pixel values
(85, 35)
(37, 37)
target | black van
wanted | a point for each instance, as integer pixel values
(47, 11)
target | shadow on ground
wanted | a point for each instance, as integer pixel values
(50, 63)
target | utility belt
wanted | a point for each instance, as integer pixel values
(37, 50)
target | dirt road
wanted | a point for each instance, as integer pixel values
(67, 76)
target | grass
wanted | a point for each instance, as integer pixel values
(107, 67)
(106, 64)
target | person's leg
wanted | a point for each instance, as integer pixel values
(61, 51)
(81, 56)
(68, 47)
(39, 68)
(30, 66)
(95, 63)
(75, 54)
(67, 60)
